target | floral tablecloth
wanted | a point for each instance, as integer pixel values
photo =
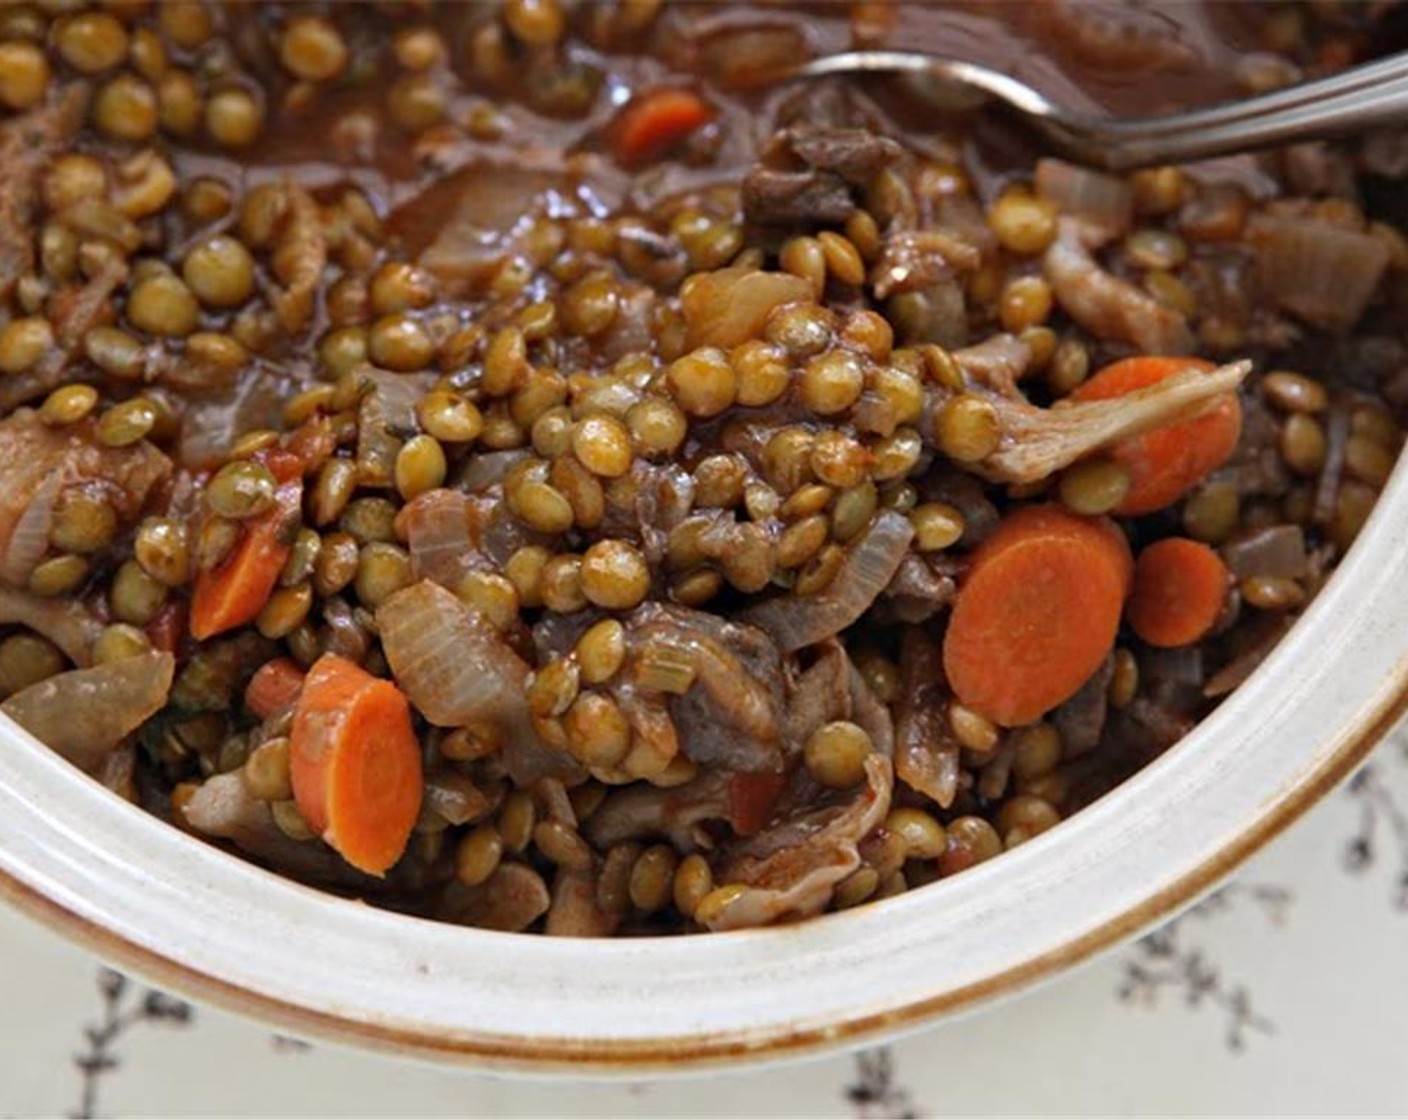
(1280, 994)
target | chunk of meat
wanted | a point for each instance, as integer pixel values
(807, 172)
(920, 589)
(817, 695)
(1081, 719)
(855, 154)
(830, 689)
(778, 197)
(31, 453)
(1107, 306)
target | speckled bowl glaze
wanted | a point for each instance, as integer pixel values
(207, 924)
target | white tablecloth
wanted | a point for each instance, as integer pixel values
(1281, 994)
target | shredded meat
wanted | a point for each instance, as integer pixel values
(299, 259)
(640, 812)
(27, 143)
(818, 694)
(791, 870)
(1106, 305)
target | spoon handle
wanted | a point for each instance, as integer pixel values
(1355, 100)
(1373, 95)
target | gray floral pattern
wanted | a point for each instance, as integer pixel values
(125, 1005)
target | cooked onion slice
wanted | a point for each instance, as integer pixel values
(795, 622)
(85, 713)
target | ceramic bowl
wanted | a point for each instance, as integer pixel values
(209, 925)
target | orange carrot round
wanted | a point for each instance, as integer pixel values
(1180, 589)
(654, 122)
(355, 763)
(1036, 613)
(1166, 463)
(274, 686)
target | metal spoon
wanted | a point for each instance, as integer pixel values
(1370, 96)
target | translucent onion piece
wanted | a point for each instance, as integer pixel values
(224, 809)
(1277, 550)
(29, 539)
(436, 524)
(795, 622)
(66, 622)
(574, 911)
(730, 306)
(1320, 271)
(450, 662)
(84, 713)
(511, 900)
(1103, 201)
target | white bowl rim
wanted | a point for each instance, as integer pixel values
(133, 890)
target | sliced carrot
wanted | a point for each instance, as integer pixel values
(1036, 613)
(1166, 463)
(355, 763)
(654, 122)
(1180, 589)
(274, 686)
(751, 800)
(234, 592)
